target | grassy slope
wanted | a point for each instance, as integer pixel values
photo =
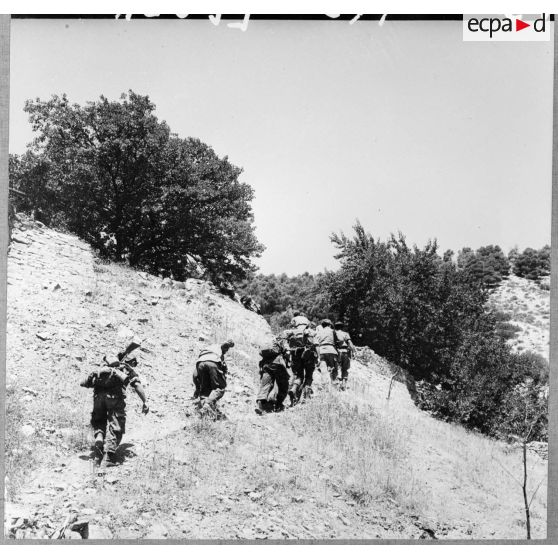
(349, 465)
(529, 307)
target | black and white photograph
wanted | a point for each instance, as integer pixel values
(278, 278)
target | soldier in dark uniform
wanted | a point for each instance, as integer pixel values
(273, 372)
(108, 418)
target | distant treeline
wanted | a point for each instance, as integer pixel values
(428, 314)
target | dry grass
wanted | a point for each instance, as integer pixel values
(368, 454)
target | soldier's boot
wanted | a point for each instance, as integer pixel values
(306, 393)
(292, 398)
(263, 407)
(99, 446)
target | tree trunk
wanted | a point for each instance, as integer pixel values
(525, 499)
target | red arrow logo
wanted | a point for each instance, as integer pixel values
(519, 25)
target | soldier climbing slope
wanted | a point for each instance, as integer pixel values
(273, 372)
(326, 341)
(346, 351)
(108, 418)
(299, 319)
(303, 359)
(210, 377)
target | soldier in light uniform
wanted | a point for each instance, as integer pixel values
(326, 343)
(346, 351)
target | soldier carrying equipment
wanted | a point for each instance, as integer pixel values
(303, 358)
(210, 378)
(273, 371)
(109, 384)
(346, 351)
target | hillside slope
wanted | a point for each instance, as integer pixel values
(529, 309)
(349, 465)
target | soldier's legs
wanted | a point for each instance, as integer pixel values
(282, 381)
(332, 367)
(217, 382)
(266, 385)
(297, 378)
(197, 380)
(344, 364)
(116, 424)
(99, 421)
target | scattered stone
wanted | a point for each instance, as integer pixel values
(124, 333)
(103, 322)
(27, 430)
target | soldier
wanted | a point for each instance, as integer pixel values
(299, 319)
(326, 342)
(210, 377)
(273, 372)
(346, 351)
(108, 418)
(303, 358)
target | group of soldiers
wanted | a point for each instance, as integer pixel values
(302, 348)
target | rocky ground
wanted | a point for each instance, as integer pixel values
(346, 465)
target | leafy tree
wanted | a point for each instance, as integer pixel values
(533, 264)
(112, 173)
(488, 265)
(425, 314)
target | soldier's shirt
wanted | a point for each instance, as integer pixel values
(325, 340)
(343, 338)
(132, 379)
(213, 353)
(298, 321)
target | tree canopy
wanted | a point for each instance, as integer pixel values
(115, 175)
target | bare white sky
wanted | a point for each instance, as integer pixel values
(404, 126)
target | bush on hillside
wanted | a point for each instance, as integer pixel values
(113, 174)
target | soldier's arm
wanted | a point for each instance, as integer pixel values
(87, 381)
(138, 388)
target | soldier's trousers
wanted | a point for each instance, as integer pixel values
(108, 419)
(303, 364)
(271, 374)
(344, 364)
(211, 381)
(329, 365)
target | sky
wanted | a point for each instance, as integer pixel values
(404, 126)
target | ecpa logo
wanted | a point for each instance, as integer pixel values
(506, 28)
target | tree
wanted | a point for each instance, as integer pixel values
(533, 264)
(488, 265)
(427, 315)
(112, 173)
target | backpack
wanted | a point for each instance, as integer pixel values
(106, 379)
(299, 338)
(272, 351)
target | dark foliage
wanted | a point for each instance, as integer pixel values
(488, 265)
(425, 314)
(533, 264)
(114, 174)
